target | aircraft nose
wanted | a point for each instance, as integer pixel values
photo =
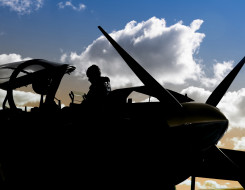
(198, 126)
(197, 136)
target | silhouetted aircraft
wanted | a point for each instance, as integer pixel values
(115, 144)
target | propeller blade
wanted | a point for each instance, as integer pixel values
(218, 163)
(221, 89)
(161, 93)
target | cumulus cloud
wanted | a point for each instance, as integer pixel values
(210, 184)
(220, 70)
(22, 6)
(196, 93)
(21, 98)
(233, 105)
(8, 58)
(239, 143)
(65, 4)
(166, 52)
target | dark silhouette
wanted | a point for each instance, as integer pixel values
(100, 86)
(116, 145)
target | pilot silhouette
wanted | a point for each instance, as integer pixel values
(100, 86)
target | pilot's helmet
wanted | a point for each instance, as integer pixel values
(93, 71)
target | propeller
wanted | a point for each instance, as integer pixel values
(167, 98)
(221, 89)
(159, 91)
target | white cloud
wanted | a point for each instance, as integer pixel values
(196, 93)
(221, 145)
(233, 105)
(79, 7)
(210, 184)
(239, 143)
(8, 58)
(22, 6)
(164, 51)
(63, 57)
(186, 182)
(220, 71)
(2, 96)
(21, 98)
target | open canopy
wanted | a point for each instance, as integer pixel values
(44, 76)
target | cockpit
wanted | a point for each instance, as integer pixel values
(43, 76)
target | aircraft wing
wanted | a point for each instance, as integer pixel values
(223, 164)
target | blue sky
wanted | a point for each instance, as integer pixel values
(43, 32)
(188, 45)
